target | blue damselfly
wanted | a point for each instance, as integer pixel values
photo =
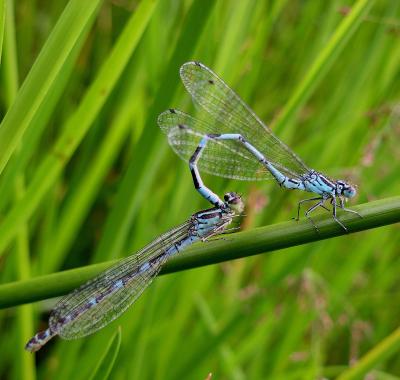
(101, 300)
(240, 146)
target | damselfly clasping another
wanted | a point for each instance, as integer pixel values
(233, 142)
(107, 296)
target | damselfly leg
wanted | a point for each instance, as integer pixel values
(309, 200)
(334, 205)
(341, 205)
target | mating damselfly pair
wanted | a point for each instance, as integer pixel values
(233, 143)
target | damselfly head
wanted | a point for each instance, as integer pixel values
(234, 201)
(345, 189)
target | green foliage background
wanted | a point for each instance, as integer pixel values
(87, 176)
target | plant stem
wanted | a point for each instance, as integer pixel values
(243, 244)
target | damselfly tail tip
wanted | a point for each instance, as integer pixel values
(39, 340)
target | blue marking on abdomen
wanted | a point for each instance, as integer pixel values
(92, 301)
(118, 284)
(144, 267)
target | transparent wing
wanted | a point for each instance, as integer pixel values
(223, 104)
(223, 158)
(101, 300)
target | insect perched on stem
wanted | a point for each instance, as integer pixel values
(101, 300)
(233, 142)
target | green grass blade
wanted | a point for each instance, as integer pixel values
(322, 63)
(214, 341)
(31, 139)
(24, 315)
(44, 74)
(140, 175)
(2, 20)
(82, 197)
(21, 261)
(243, 244)
(79, 123)
(106, 363)
(9, 68)
(382, 351)
(300, 313)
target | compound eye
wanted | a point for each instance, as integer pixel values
(227, 197)
(349, 192)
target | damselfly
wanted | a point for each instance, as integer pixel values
(101, 300)
(240, 145)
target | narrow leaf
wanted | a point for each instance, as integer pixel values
(243, 244)
(44, 74)
(2, 19)
(79, 123)
(322, 63)
(384, 350)
(106, 363)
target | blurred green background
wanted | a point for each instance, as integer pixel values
(93, 179)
